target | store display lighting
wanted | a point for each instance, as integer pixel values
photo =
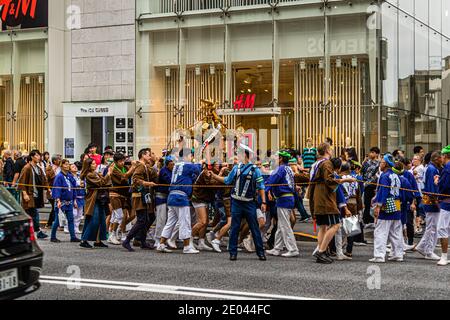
(168, 72)
(27, 80)
(321, 64)
(302, 64)
(212, 70)
(41, 79)
(338, 63)
(354, 62)
(197, 70)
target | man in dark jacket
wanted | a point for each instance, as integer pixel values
(8, 167)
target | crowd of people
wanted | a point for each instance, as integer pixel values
(250, 204)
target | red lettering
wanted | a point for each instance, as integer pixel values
(19, 2)
(239, 102)
(5, 8)
(245, 101)
(250, 102)
(13, 9)
(26, 6)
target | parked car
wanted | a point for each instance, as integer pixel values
(20, 256)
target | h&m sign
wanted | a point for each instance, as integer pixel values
(23, 14)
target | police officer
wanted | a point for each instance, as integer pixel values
(248, 181)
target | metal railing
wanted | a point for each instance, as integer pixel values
(167, 6)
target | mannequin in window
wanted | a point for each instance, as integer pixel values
(351, 151)
(309, 154)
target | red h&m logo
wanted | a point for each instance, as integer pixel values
(12, 8)
(245, 101)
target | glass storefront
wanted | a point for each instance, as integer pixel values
(24, 37)
(415, 85)
(364, 74)
(22, 94)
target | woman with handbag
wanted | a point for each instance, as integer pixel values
(96, 204)
(352, 193)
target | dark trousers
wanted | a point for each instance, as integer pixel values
(350, 241)
(240, 209)
(369, 193)
(301, 209)
(143, 223)
(274, 216)
(34, 214)
(359, 237)
(410, 227)
(51, 217)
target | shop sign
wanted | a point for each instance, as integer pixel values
(23, 14)
(95, 110)
(245, 101)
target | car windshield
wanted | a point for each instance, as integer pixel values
(8, 203)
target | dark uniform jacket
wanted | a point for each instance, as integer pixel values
(142, 173)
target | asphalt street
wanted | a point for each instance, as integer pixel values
(114, 273)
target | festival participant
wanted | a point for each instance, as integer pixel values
(285, 203)
(145, 177)
(32, 183)
(352, 192)
(323, 201)
(51, 172)
(248, 181)
(119, 196)
(444, 202)
(201, 198)
(162, 192)
(301, 178)
(369, 172)
(64, 194)
(406, 199)
(408, 209)
(80, 194)
(388, 213)
(430, 202)
(184, 175)
(96, 205)
(223, 202)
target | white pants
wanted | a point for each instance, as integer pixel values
(429, 239)
(338, 237)
(388, 231)
(161, 220)
(77, 216)
(443, 230)
(181, 214)
(285, 236)
(175, 232)
(117, 216)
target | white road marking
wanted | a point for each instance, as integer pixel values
(166, 289)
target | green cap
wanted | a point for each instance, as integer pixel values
(266, 163)
(293, 161)
(284, 154)
(446, 150)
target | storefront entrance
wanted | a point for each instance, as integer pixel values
(103, 123)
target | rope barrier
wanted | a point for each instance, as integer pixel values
(225, 187)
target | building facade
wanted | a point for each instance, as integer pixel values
(100, 107)
(289, 70)
(67, 76)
